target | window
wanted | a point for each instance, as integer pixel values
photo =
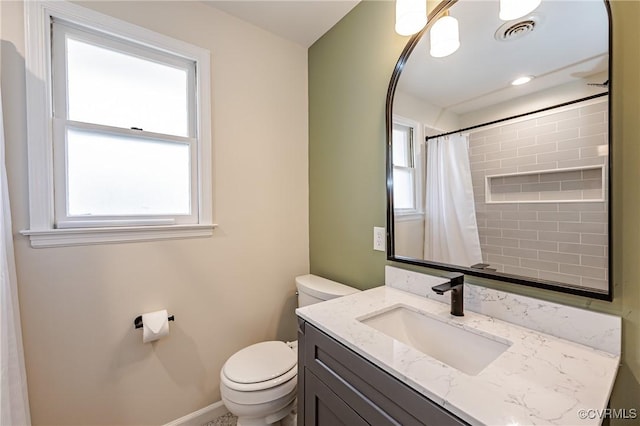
(119, 138)
(406, 167)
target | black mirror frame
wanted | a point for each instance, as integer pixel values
(440, 9)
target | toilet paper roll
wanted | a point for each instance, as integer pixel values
(154, 325)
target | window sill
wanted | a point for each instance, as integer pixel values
(408, 216)
(86, 236)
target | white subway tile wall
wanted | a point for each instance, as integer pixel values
(558, 241)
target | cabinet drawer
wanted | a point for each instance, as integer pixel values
(378, 397)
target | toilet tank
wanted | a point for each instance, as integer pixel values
(313, 289)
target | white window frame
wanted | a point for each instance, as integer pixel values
(43, 231)
(418, 147)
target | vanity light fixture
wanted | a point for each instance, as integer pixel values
(445, 38)
(514, 9)
(411, 16)
(521, 80)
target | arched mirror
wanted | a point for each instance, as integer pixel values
(500, 178)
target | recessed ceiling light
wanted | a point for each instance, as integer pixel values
(521, 80)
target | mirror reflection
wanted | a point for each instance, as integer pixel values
(500, 147)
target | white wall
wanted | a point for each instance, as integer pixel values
(85, 362)
(409, 237)
(409, 106)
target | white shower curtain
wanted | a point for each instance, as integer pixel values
(14, 403)
(451, 229)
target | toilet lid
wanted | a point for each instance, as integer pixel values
(260, 362)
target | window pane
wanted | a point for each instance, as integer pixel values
(403, 189)
(112, 175)
(116, 89)
(402, 138)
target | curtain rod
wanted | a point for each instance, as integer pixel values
(517, 116)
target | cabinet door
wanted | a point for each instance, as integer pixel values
(375, 395)
(325, 408)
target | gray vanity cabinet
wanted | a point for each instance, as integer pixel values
(336, 386)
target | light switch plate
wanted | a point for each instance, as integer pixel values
(379, 238)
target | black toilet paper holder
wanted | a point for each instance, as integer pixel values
(138, 321)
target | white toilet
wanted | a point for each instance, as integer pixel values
(258, 383)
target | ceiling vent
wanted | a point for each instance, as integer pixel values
(514, 30)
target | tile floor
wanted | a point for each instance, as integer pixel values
(224, 420)
(231, 420)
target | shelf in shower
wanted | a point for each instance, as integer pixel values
(570, 185)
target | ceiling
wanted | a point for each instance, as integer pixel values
(568, 45)
(301, 21)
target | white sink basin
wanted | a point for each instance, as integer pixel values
(465, 350)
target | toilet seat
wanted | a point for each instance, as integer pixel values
(260, 366)
(253, 387)
(267, 395)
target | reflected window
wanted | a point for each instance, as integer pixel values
(406, 167)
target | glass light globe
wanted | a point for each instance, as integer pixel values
(411, 16)
(445, 38)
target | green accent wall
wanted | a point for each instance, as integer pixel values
(349, 72)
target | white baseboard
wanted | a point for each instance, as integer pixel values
(202, 416)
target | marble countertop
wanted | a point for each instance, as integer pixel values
(540, 379)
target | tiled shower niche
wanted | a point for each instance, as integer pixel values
(568, 185)
(540, 195)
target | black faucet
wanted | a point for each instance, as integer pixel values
(456, 286)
